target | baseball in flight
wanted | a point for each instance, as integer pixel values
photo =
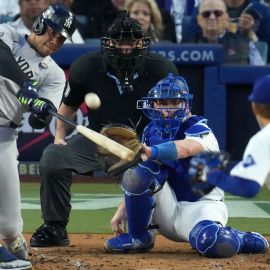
(92, 101)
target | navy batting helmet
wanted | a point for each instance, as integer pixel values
(59, 18)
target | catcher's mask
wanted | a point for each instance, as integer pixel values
(167, 103)
(124, 47)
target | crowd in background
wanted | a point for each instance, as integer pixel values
(245, 22)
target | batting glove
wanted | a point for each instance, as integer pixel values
(27, 94)
(28, 97)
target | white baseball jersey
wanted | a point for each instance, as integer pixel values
(44, 70)
(51, 83)
(255, 164)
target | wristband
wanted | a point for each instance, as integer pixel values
(164, 151)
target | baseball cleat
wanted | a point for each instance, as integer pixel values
(253, 242)
(9, 261)
(18, 247)
(124, 243)
(49, 236)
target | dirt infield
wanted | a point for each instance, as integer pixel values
(86, 252)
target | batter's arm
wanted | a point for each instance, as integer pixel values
(9, 67)
(63, 129)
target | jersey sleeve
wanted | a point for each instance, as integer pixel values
(53, 85)
(7, 35)
(208, 141)
(78, 78)
(201, 133)
(9, 68)
(255, 162)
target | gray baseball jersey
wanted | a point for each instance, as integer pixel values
(50, 77)
(51, 84)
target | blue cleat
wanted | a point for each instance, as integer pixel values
(10, 261)
(253, 242)
(124, 243)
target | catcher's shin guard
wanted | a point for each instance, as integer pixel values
(212, 240)
(252, 242)
(139, 213)
(139, 185)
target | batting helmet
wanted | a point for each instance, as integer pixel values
(57, 17)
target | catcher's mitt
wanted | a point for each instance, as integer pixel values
(125, 136)
(201, 165)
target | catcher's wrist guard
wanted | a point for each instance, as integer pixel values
(128, 138)
(164, 151)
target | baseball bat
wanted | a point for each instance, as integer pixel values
(110, 145)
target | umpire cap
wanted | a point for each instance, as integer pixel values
(261, 90)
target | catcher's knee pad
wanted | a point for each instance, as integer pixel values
(145, 178)
(212, 240)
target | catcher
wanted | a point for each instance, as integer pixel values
(157, 191)
(247, 177)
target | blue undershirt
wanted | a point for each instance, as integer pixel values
(233, 184)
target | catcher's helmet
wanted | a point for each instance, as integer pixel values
(125, 29)
(170, 88)
(57, 17)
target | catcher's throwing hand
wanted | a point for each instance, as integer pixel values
(201, 165)
(128, 138)
(119, 220)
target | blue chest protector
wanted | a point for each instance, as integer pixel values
(178, 170)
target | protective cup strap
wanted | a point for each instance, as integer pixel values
(164, 151)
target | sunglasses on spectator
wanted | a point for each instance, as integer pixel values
(207, 13)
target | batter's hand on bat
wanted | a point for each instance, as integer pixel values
(28, 97)
(119, 220)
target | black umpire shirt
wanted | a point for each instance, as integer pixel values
(91, 73)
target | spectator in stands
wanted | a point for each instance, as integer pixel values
(29, 11)
(8, 10)
(250, 17)
(97, 16)
(214, 20)
(181, 12)
(148, 15)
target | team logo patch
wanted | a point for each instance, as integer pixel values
(248, 161)
(68, 22)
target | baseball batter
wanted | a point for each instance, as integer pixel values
(26, 69)
(253, 171)
(158, 193)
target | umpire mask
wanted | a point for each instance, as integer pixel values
(124, 47)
